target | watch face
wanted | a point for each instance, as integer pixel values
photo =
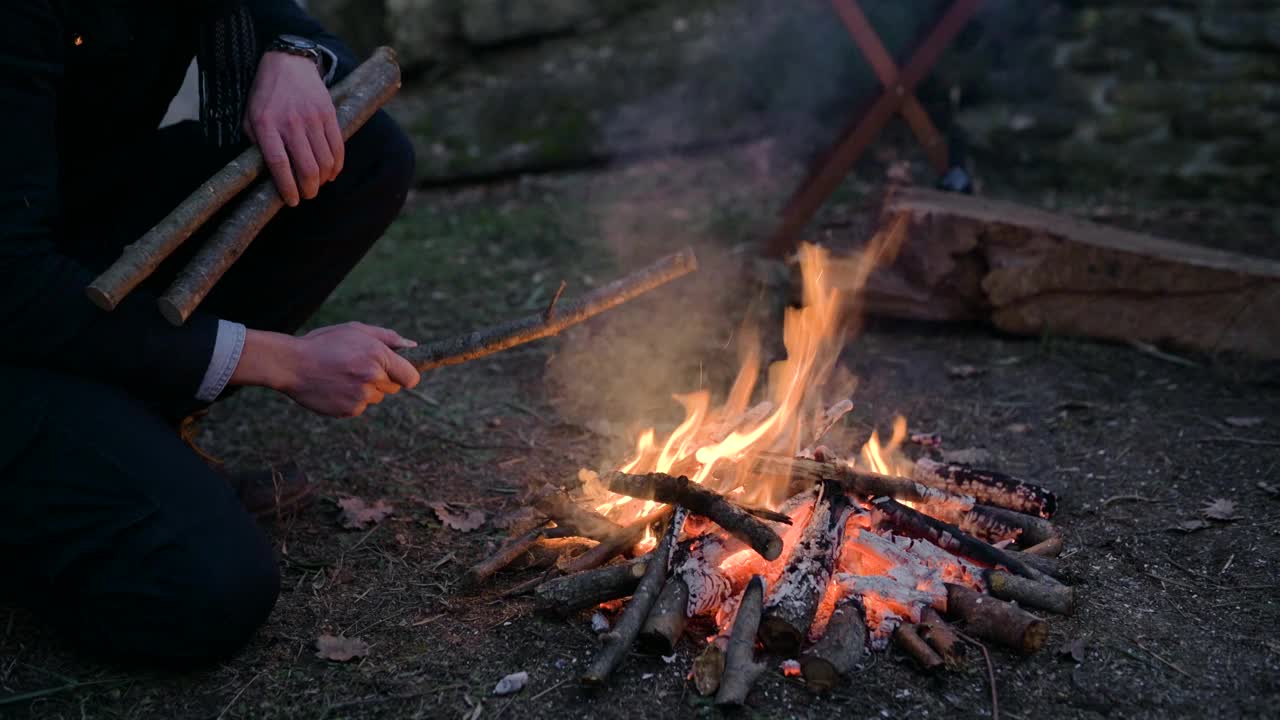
(298, 42)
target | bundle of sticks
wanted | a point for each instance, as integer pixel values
(949, 558)
(356, 98)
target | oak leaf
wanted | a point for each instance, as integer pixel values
(356, 514)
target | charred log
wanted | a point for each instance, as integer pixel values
(792, 605)
(620, 543)
(1051, 566)
(987, 487)
(996, 620)
(618, 641)
(549, 552)
(564, 595)
(740, 668)
(557, 505)
(700, 501)
(804, 474)
(1056, 598)
(840, 648)
(1031, 530)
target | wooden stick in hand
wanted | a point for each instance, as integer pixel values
(367, 89)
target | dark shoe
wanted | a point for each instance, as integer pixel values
(274, 492)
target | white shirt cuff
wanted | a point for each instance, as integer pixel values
(226, 355)
(331, 64)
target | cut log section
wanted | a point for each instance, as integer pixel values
(907, 639)
(792, 605)
(700, 501)
(1050, 548)
(568, 594)
(1055, 598)
(1033, 272)
(996, 620)
(987, 487)
(666, 622)
(913, 523)
(618, 641)
(487, 341)
(839, 649)
(740, 667)
(941, 637)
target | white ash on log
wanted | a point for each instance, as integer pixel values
(949, 537)
(793, 604)
(839, 649)
(618, 641)
(1055, 598)
(987, 487)
(996, 620)
(570, 593)
(740, 668)
(700, 501)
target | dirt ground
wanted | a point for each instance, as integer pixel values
(1172, 624)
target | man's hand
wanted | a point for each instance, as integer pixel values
(337, 371)
(292, 119)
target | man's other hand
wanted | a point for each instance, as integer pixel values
(292, 119)
(337, 371)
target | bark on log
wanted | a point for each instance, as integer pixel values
(1029, 272)
(804, 474)
(792, 605)
(666, 622)
(620, 543)
(1031, 530)
(372, 84)
(913, 523)
(941, 637)
(1056, 598)
(618, 641)
(839, 649)
(996, 620)
(740, 667)
(1051, 566)
(139, 259)
(505, 555)
(700, 501)
(907, 638)
(557, 505)
(549, 552)
(487, 341)
(1049, 548)
(987, 487)
(568, 594)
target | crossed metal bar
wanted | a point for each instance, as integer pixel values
(898, 97)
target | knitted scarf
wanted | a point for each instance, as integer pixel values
(228, 58)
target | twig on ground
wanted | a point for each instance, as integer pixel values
(991, 674)
(1161, 658)
(239, 692)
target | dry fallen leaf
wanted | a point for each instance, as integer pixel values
(356, 514)
(512, 683)
(707, 669)
(458, 517)
(1220, 509)
(1243, 422)
(339, 648)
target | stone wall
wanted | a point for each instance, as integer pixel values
(1175, 98)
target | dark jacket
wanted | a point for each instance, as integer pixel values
(74, 76)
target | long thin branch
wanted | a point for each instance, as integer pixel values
(486, 341)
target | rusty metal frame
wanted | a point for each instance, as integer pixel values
(897, 98)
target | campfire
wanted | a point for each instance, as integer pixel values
(749, 526)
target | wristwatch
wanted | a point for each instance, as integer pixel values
(326, 62)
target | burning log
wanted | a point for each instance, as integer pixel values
(804, 474)
(487, 341)
(621, 542)
(371, 85)
(987, 487)
(839, 649)
(792, 605)
(1057, 598)
(701, 501)
(949, 537)
(907, 638)
(618, 641)
(557, 505)
(941, 637)
(565, 595)
(740, 668)
(997, 620)
(1032, 530)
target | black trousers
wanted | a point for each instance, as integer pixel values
(110, 525)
